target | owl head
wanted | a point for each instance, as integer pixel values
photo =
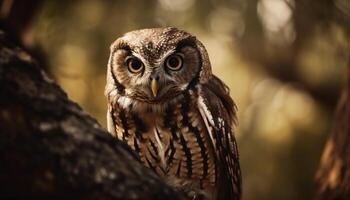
(155, 65)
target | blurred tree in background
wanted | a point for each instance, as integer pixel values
(284, 60)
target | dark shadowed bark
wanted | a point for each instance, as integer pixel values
(50, 148)
(333, 176)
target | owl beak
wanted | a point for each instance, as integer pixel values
(154, 87)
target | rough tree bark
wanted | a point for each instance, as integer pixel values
(333, 176)
(50, 148)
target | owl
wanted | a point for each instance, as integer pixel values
(165, 103)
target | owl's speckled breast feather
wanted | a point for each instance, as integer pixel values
(173, 143)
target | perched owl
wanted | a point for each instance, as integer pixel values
(166, 104)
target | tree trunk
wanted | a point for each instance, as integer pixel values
(50, 148)
(333, 176)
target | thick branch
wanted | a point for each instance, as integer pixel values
(333, 176)
(50, 148)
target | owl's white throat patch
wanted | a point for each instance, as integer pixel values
(139, 106)
(124, 101)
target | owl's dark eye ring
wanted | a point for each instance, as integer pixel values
(134, 65)
(174, 62)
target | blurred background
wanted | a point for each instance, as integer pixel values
(284, 61)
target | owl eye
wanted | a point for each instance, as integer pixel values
(174, 62)
(134, 65)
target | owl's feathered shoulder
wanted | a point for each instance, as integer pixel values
(216, 95)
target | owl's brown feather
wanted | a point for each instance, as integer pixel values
(220, 113)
